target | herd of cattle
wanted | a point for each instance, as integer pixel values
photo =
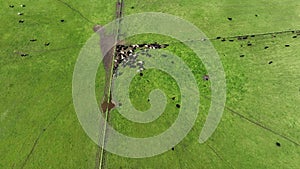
(127, 55)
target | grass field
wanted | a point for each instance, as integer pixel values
(38, 123)
(36, 91)
(264, 93)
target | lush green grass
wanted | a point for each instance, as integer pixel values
(264, 93)
(35, 91)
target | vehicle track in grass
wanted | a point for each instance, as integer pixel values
(76, 11)
(36, 141)
(258, 124)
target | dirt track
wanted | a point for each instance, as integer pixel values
(107, 104)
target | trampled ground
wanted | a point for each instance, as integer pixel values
(39, 127)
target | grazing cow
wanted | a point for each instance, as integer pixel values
(287, 45)
(231, 40)
(140, 62)
(242, 56)
(62, 20)
(256, 15)
(20, 13)
(230, 19)
(135, 46)
(278, 144)
(24, 54)
(21, 21)
(11, 6)
(294, 36)
(47, 44)
(218, 37)
(245, 37)
(223, 40)
(23, 6)
(122, 58)
(270, 62)
(132, 66)
(249, 44)
(158, 46)
(206, 77)
(33, 40)
(266, 47)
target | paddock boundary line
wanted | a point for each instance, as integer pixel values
(296, 32)
(245, 37)
(259, 124)
(23, 164)
(76, 11)
(119, 14)
(219, 156)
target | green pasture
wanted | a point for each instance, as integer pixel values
(259, 94)
(36, 91)
(38, 124)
